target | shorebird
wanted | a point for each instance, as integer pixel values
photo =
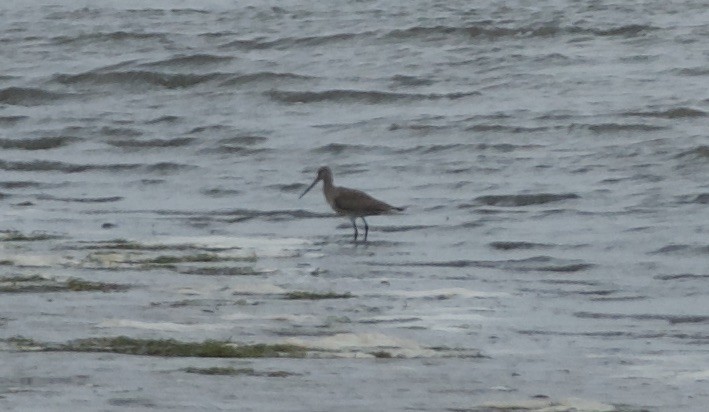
(351, 203)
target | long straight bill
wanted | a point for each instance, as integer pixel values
(310, 187)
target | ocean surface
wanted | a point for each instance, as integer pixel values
(552, 156)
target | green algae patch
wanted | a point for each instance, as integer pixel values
(182, 258)
(171, 261)
(23, 344)
(304, 295)
(122, 244)
(23, 278)
(229, 371)
(79, 285)
(40, 284)
(382, 354)
(174, 348)
(22, 341)
(223, 271)
(13, 236)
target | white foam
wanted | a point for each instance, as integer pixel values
(446, 293)
(296, 319)
(108, 259)
(356, 343)
(698, 376)
(257, 289)
(502, 388)
(36, 260)
(161, 326)
(549, 405)
(193, 292)
(526, 404)
(264, 247)
(443, 321)
(580, 405)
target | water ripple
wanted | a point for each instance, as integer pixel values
(42, 143)
(27, 96)
(524, 200)
(359, 96)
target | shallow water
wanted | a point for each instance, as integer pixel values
(553, 160)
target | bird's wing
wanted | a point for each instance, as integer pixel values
(357, 202)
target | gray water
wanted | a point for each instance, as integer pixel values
(552, 156)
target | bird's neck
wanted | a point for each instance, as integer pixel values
(329, 189)
(327, 184)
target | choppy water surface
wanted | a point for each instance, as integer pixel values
(553, 159)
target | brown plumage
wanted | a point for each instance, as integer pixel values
(350, 202)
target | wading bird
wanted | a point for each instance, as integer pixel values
(351, 203)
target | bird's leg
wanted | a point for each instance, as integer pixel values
(366, 229)
(354, 225)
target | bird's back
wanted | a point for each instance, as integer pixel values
(353, 202)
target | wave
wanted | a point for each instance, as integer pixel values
(236, 150)
(42, 143)
(62, 167)
(23, 96)
(359, 96)
(676, 113)
(167, 167)
(153, 143)
(626, 30)
(408, 81)
(287, 187)
(681, 276)
(53, 166)
(172, 80)
(120, 131)
(217, 192)
(617, 127)
(239, 145)
(263, 77)
(115, 36)
(533, 264)
(190, 60)
(417, 128)
(270, 215)
(699, 152)
(693, 71)
(524, 200)
(163, 119)
(504, 128)
(439, 148)
(546, 264)
(11, 120)
(672, 319)
(21, 185)
(403, 228)
(702, 198)
(138, 78)
(108, 199)
(468, 147)
(434, 33)
(470, 31)
(416, 32)
(496, 32)
(211, 129)
(246, 139)
(288, 42)
(518, 245)
(340, 148)
(682, 249)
